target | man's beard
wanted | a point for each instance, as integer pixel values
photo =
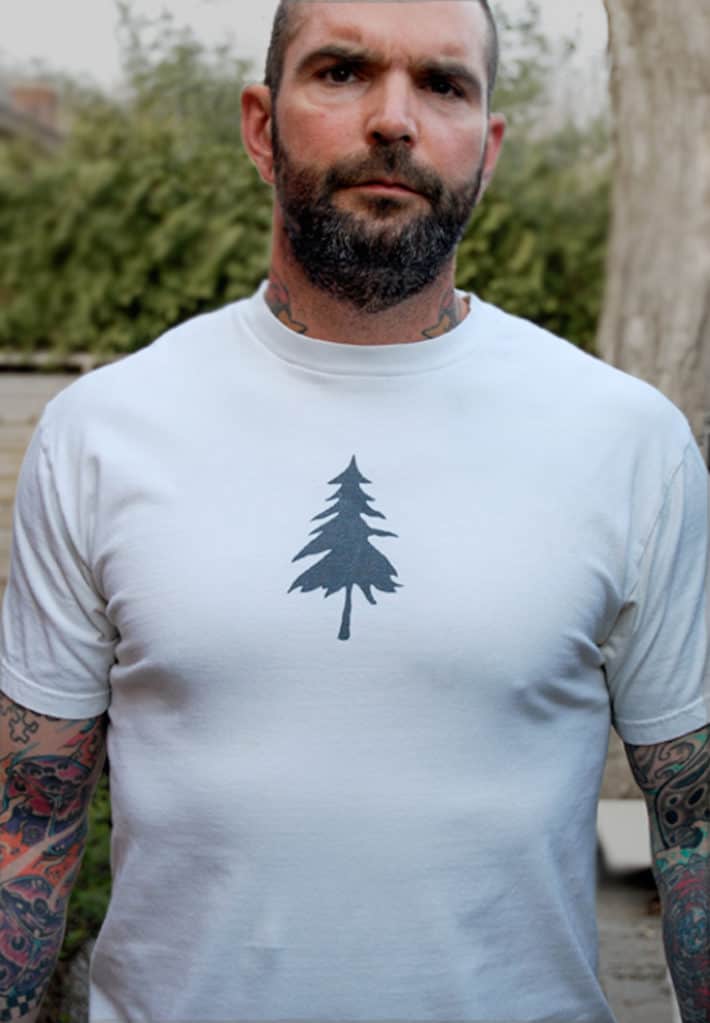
(370, 261)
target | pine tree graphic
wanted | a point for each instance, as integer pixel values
(352, 560)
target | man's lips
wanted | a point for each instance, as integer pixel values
(392, 187)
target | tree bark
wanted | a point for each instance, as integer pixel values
(656, 318)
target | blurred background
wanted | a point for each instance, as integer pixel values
(127, 205)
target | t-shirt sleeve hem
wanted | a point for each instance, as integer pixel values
(671, 726)
(75, 707)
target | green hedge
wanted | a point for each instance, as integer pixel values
(103, 254)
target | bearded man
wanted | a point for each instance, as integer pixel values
(379, 806)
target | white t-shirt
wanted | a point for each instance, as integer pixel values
(380, 805)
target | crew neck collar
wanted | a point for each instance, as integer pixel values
(339, 358)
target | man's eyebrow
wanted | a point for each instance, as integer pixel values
(361, 55)
(334, 51)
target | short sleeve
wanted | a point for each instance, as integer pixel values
(56, 644)
(656, 658)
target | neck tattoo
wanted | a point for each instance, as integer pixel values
(452, 311)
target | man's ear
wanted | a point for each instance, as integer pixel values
(256, 129)
(494, 144)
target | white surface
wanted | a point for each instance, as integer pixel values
(623, 831)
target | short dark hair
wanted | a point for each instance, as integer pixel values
(284, 29)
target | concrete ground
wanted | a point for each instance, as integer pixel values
(632, 964)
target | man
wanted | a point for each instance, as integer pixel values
(379, 806)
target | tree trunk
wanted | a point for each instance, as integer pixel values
(656, 319)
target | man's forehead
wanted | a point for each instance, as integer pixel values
(454, 28)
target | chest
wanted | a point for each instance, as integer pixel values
(349, 546)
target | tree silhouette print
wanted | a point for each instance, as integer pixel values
(352, 560)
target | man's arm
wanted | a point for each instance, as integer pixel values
(674, 777)
(49, 769)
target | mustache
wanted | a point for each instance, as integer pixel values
(394, 162)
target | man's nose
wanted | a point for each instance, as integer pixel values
(391, 117)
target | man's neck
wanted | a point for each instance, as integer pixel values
(306, 310)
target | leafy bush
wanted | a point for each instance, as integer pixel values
(148, 215)
(537, 245)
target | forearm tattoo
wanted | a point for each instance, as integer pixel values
(675, 779)
(46, 790)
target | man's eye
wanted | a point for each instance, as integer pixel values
(340, 74)
(443, 87)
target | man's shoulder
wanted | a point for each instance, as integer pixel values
(573, 380)
(170, 362)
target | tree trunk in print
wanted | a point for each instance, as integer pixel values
(345, 624)
(656, 319)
